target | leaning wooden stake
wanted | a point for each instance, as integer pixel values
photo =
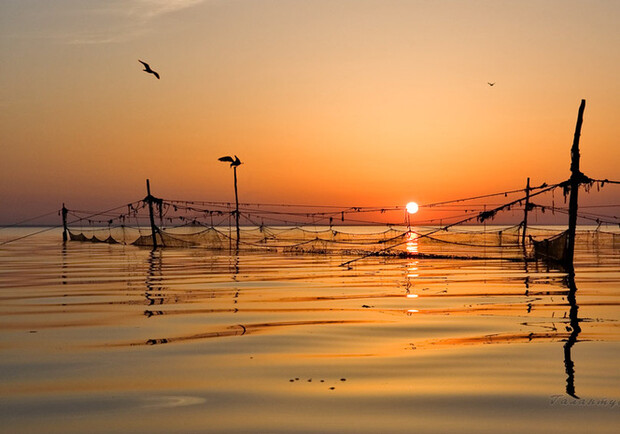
(575, 180)
(149, 199)
(527, 209)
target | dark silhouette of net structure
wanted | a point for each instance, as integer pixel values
(462, 232)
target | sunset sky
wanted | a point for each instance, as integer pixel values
(352, 102)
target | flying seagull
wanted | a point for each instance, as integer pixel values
(233, 163)
(491, 84)
(148, 69)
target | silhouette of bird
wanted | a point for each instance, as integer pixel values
(233, 162)
(148, 69)
(490, 84)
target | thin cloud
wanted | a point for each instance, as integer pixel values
(152, 8)
(103, 37)
(125, 20)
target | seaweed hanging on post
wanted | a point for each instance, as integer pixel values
(150, 200)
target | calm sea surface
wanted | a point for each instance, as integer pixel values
(104, 338)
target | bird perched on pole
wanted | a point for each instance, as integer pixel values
(233, 162)
(148, 69)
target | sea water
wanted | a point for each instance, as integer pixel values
(105, 338)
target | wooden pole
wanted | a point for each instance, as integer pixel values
(236, 205)
(575, 180)
(527, 208)
(149, 199)
(65, 230)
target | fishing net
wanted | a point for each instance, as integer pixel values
(553, 248)
(292, 239)
(293, 229)
(466, 242)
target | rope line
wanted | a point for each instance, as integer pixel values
(29, 220)
(327, 215)
(495, 210)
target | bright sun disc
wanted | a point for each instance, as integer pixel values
(412, 207)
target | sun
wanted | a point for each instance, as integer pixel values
(412, 207)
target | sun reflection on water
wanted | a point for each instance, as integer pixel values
(412, 242)
(412, 268)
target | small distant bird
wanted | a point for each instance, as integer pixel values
(490, 84)
(148, 69)
(233, 162)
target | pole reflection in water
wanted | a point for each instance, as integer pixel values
(154, 289)
(63, 275)
(234, 265)
(572, 339)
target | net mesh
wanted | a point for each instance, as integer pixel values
(212, 226)
(553, 248)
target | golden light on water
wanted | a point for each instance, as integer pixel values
(412, 207)
(412, 242)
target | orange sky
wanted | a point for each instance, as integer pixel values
(349, 102)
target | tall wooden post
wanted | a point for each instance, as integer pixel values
(149, 199)
(234, 162)
(527, 208)
(65, 230)
(236, 205)
(575, 180)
